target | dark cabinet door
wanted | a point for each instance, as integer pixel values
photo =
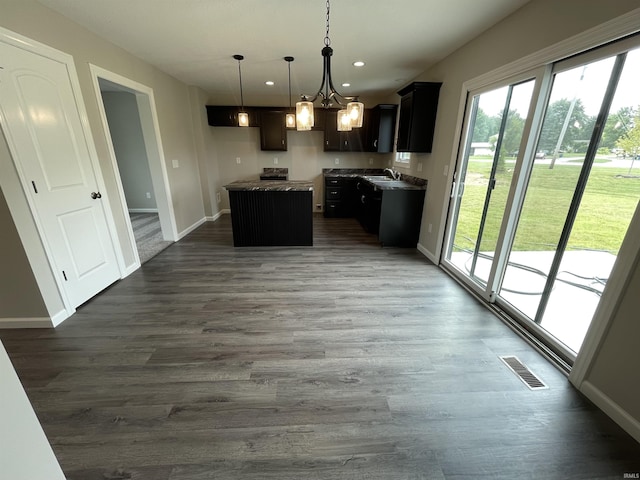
(227, 115)
(332, 137)
(335, 141)
(222, 116)
(273, 131)
(380, 128)
(418, 109)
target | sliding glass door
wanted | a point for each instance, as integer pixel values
(495, 128)
(536, 222)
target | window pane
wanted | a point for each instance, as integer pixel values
(568, 124)
(609, 201)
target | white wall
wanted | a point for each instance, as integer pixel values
(123, 117)
(305, 158)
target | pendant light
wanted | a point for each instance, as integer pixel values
(290, 117)
(243, 117)
(328, 93)
(344, 120)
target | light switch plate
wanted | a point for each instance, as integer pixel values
(175, 163)
(238, 160)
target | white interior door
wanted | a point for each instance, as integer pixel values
(44, 131)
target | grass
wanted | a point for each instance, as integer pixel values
(605, 211)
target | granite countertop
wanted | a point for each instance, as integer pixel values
(373, 177)
(271, 186)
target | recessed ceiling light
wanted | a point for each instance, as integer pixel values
(358, 64)
(269, 82)
(346, 84)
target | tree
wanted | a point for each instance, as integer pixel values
(482, 127)
(511, 137)
(617, 125)
(578, 132)
(630, 141)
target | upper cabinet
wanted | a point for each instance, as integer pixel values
(273, 131)
(227, 116)
(418, 108)
(380, 128)
(335, 141)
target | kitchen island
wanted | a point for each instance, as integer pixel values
(271, 213)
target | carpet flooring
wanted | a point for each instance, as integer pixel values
(146, 229)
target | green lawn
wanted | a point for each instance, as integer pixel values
(607, 206)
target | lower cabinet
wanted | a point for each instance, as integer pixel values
(339, 196)
(400, 217)
(394, 215)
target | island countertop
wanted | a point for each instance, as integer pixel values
(270, 186)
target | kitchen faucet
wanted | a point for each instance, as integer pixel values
(395, 175)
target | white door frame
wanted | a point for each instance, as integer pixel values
(57, 302)
(155, 154)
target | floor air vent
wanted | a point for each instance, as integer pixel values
(523, 373)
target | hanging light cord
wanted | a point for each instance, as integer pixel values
(241, 97)
(289, 64)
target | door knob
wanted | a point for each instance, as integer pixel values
(95, 195)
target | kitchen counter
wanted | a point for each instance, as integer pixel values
(391, 209)
(271, 212)
(270, 186)
(377, 178)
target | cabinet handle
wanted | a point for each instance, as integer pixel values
(283, 142)
(375, 143)
(333, 193)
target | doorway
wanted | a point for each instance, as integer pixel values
(129, 120)
(536, 229)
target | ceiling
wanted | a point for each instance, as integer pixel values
(194, 40)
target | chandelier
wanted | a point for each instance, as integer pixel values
(352, 111)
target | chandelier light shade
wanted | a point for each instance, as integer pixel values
(290, 117)
(243, 117)
(329, 94)
(304, 115)
(344, 120)
(356, 113)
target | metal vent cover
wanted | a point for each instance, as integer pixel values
(523, 373)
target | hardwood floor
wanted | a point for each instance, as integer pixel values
(338, 361)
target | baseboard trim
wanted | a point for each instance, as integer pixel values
(130, 269)
(422, 249)
(612, 409)
(32, 322)
(61, 316)
(218, 215)
(143, 210)
(190, 229)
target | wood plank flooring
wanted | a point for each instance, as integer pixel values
(338, 361)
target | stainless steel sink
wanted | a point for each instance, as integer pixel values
(377, 178)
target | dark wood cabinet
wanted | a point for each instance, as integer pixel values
(380, 128)
(273, 131)
(339, 196)
(335, 141)
(400, 217)
(271, 218)
(418, 109)
(227, 116)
